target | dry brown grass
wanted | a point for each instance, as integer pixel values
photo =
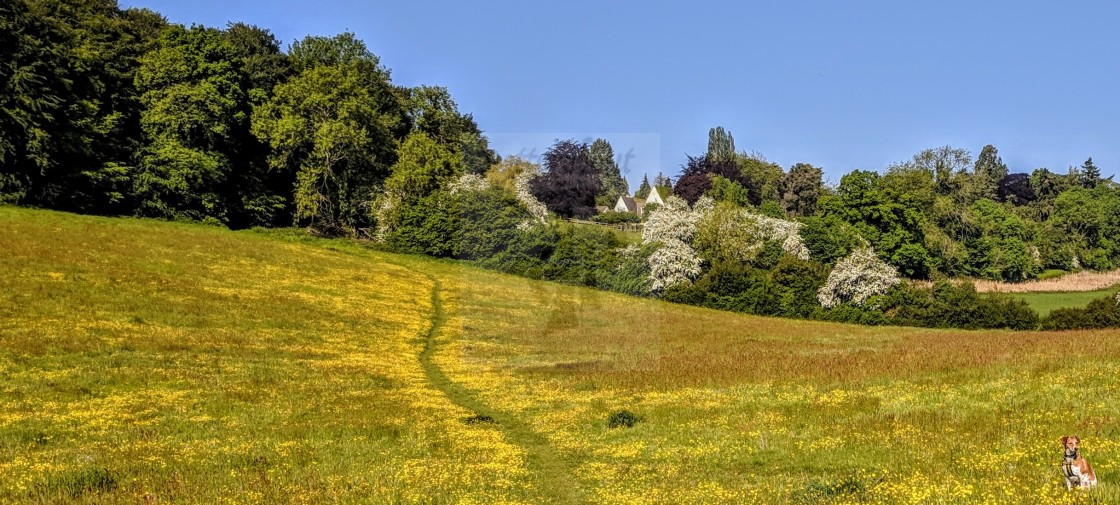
(1080, 281)
(564, 329)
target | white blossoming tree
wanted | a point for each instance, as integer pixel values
(521, 191)
(673, 226)
(856, 279)
(673, 221)
(729, 232)
(468, 183)
(673, 263)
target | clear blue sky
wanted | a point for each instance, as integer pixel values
(839, 84)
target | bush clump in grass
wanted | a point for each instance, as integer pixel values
(623, 419)
(479, 419)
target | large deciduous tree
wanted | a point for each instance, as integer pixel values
(68, 116)
(800, 190)
(570, 182)
(696, 177)
(946, 164)
(195, 112)
(431, 110)
(324, 126)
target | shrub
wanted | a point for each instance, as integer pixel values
(479, 419)
(852, 315)
(913, 261)
(1100, 313)
(673, 221)
(729, 232)
(948, 305)
(581, 256)
(623, 419)
(850, 489)
(799, 281)
(488, 226)
(630, 272)
(613, 217)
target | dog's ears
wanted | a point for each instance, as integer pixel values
(1064, 441)
(1076, 438)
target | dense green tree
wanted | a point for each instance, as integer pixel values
(886, 223)
(195, 113)
(423, 165)
(726, 190)
(324, 126)
(431, 110)
(760, 176)
(68, 117)
(1090, 174)
(988, 170)
(346, 50)
(800, 190)
(262, 61)
(721, 145)
(611, 183)
(262, 195)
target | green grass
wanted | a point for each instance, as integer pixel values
(189, 364)
(1044, 303)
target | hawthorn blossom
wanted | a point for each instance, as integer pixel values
(468, 182)
(857, 278)
(788, 233)
(674, 221)
(521, 191)
(673, 263)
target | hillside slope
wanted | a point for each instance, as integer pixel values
(193, 364)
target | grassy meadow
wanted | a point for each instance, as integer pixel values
(155, 362)
(1045, 302)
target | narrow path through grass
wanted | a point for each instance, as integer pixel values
(551, 471)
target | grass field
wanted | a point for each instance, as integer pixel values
(175, 363)
(1045, 302)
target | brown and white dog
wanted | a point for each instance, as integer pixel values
(1075, 467)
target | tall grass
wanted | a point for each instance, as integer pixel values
(1084, 280)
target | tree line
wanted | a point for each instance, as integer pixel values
(119, 112)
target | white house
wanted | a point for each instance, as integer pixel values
(628, 204)
(636, 205)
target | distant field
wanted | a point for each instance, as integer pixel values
(1046, 302)
(185, 363)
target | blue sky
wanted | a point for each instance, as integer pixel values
(839, 84)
